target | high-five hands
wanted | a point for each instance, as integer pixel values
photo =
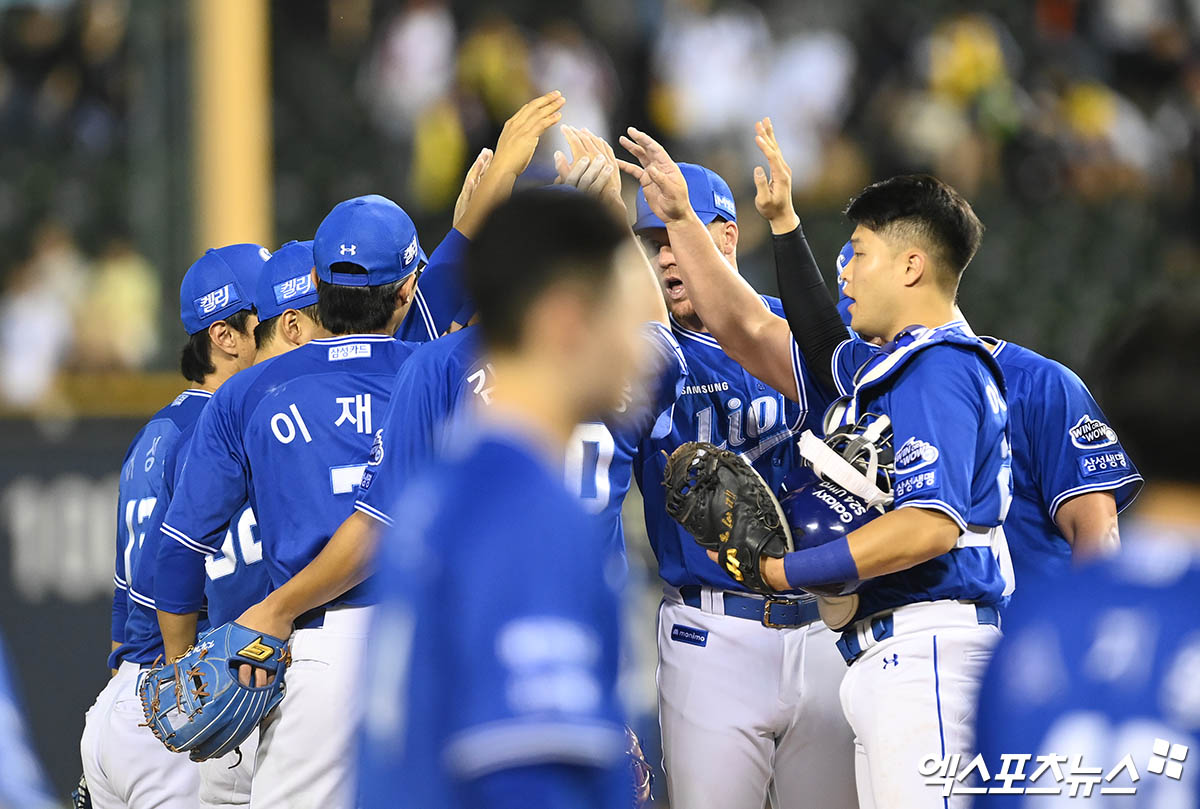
(594, 169)
(773, 194)
(659, 176)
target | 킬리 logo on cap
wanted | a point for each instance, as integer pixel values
(215, 301)
(292, 288)
(410, 252)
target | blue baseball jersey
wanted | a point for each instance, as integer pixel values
(144, 494)
(440, 294)
(435, 384)
(1062, 447)
(944, 396)
(22, 783)
(1100, 663)
(292, 436)
(721, 403)
(521, 670)
(224, 584)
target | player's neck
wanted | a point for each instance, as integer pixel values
(225, 370)
(930, 313)
(274, 347)
(532, 401)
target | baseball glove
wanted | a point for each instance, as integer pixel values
(728, 508)
(197, 703)
(640, 769)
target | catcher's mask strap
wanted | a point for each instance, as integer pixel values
(827, 463)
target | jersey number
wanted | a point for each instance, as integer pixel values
(218, 565)
(136, 513)
(589, 455)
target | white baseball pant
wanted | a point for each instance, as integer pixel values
(752, 714)
(306, 747)
(126, 766)
(912, 696)
(225, 781)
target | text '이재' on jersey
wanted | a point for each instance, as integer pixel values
(519, 670)
(942, 394)
(722, 404)
(292, 435)
(441, 382)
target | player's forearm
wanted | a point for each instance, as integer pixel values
(116, 644)
(495, 187)
(344, 562)
(812, 314)
(1089, 523)
(178, 632)
(896, 541)
(730, 308)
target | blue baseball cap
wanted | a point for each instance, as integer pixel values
(709, 194)
(286, 281)
(220, 283)
(372, 233)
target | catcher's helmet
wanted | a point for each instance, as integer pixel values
(819, 512)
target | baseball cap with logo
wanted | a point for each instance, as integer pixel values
(709, 194)
(372, 233)
(220, 283)
(286, 281)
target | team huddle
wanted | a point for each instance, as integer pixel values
(373, 556)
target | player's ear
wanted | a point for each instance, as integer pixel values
(406, 291)
(916, 267)
(220, 335)
(731, 239)
(289, 322)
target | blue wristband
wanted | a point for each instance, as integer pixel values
(824, 564)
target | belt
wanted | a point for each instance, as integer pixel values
(869, 632)
(313, 619)
(776, 613)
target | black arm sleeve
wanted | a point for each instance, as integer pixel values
(812, 314)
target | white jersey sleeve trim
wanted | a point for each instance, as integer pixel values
(501, 745)
(120, 583)
(187, 541)
(937, 505)
(373, 512)
(145, 601)
(833, 367)
(426, 315)
(1102, 486)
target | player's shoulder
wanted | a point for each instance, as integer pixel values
(184, 409)
(460, 348)
(1024, 365)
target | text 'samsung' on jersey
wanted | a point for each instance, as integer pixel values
(724, 405)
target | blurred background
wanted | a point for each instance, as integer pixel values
(136, 133)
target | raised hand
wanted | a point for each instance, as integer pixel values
(474, 175)
(773, 194)
(595, 161)
(662, 182)
(521, 133)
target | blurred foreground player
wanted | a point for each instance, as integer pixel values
(508, 698)
(124, 764)
(1117, 678)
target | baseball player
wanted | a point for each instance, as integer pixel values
(125, 766)
(1093, 687)
(934, 566)
(287, 435)
(228, 582)
(780, 735)
(511, 694)
(1071, 477)
(22, 783)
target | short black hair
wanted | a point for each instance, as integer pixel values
(925, 208)
(534, 240)
(1151, 401)
(195, 360)
(352, 309)
(265, 329)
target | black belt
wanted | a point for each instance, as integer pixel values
(776, 613)
(313, 619)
